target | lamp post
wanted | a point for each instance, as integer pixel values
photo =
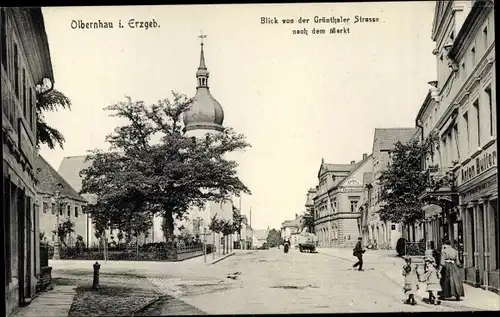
(204, 241)
(56, 242)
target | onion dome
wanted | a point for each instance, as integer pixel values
(205, 113)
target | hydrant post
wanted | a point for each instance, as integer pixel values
(95, 283)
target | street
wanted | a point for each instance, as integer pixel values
(270, 281)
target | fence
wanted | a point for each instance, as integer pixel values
(415, 248)
(147, 252)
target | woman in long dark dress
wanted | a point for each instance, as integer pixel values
(451, 282)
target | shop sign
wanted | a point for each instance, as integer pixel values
(478, 191)
(478, 165)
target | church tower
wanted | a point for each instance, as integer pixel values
(205, 115)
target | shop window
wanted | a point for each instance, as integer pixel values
(16, 71)
(494, 209)
(472, 237)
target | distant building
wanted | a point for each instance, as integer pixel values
(384, 234)
(53, 209)
(338, 195)
(25, 64)
(260, 237)
(292, 229)
(363, 209)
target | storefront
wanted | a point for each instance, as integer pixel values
(478, 188)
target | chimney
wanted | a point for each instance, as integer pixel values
(365, 156)
(353, 162)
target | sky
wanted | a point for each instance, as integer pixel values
(297, 98)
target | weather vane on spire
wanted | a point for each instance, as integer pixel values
(202, 36)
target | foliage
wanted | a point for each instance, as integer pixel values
(308, 220)
(400, 246)
(64, 230)
(273, 238)
(403, 181)
(216, 225)
(145, 179)
(49, 100)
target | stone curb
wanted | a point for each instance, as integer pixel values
(222, 258)
(147, 305)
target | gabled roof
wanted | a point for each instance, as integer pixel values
(326, 167)
(292, 223)
(260, 234)
(49, 181)
(385, 139)
(70, 169)
(356, 166)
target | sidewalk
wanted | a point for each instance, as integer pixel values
(391, 265)
(56, 302)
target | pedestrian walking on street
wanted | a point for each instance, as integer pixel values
(411, 281)
(451, 283)
(358, 252)
(431, 279)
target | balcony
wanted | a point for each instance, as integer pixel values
(440, 190)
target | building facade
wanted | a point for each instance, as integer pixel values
(25, 66)
(463, 112)
(363, 209)
(58, 202)
(338, 197)
(383, 234)
(292, 229)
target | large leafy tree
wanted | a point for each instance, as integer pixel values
(403, 181)
(164, 178)
(49, 100)
(273, 238)
(308, 220)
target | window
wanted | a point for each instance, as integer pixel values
(76, 212)
(452, 35)
(478, 122)
(485, 38)
(473, 56)
(25, 101)
(60, 210)
(455, 134)
(53, 208)
(68, 210)
(444, 157)
(466, 123)
(45, 207)
(490, 106)
(4, 40)
(354, 205)
(16, 70)
(31, 107)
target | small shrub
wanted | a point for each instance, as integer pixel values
(400, 246)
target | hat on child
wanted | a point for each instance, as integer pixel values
(429, 259)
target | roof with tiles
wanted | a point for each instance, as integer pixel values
(50, 181)
(385, 139)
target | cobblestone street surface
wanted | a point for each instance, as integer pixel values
(270, 281)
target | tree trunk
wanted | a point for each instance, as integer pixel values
(168, 225)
